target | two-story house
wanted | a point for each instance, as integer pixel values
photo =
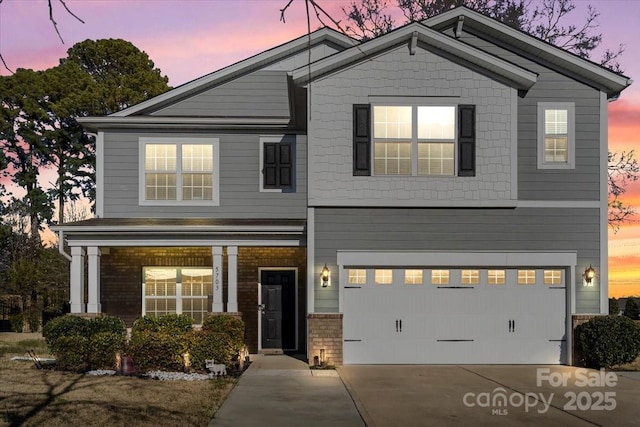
(437, 194)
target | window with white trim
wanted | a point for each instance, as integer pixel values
(414, 140)
(556, 135)
(179, 170)
(170, 290)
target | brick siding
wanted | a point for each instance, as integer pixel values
(325, 332)
(121, 279)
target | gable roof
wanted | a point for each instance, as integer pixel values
(594, 74)
(239, 68)
(519, 77)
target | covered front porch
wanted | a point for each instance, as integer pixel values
(129, 268)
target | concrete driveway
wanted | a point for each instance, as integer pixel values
(441, 395)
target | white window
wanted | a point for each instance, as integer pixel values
(496, 277)
(357, 276)
(526, 277)
(384, 277)
(470, 277)
(556, 135)
(413, 277)
(439, 277)
(553, 277)
(179, 170)
(170, 290)
(414, 140)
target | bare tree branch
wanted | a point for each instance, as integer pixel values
(53, 22)
(622, 169)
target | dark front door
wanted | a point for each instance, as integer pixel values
(278, 318)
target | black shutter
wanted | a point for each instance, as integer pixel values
(361, 139)
(285, 166)
(270, 165)
(466, 140)
(277, 165)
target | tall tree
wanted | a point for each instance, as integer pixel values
(38, 126)
(23, 119)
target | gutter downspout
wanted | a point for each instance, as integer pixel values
(61, 246)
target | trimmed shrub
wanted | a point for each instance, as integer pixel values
(607, 341)
(80, 344)
(157, 351)
(71, 353)
(205, 345)
(158, 343)
(64, 326)
(175, 324)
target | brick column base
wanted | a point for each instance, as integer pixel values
(577, 320)
(325, 332)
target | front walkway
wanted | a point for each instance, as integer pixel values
(282, 391)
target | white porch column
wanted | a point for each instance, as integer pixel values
(217, 306)
(93, 305)
(76, 281)
(232, 285)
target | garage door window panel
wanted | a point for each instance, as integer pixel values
(526, 277)
(496, 277)
(440, 277)
(553, 277)
(384, 277)
(413, 277)
(470, 277)
(357, 276)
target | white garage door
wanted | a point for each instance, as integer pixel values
(466, 316)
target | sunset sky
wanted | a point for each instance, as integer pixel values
(189, 38)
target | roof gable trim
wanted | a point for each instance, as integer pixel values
(247, 65)
(521, 78)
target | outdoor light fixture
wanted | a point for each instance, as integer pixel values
(326, 276)
(589, 274)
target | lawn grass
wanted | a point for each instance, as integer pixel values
(32, 397)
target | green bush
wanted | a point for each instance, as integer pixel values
(71, 353)
(64, 326)
(159, 343)
(175, 324)
(607, 341)
(80, 344)
(17, 322)
(156, 351)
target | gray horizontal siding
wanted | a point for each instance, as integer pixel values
(582, 183)
(240, 196)
(522, 229)
(260, 94)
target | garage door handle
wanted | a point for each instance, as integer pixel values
(400, 325)
(396, 325)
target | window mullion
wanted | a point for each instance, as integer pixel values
(178, 291)
(414, 140)
(178, 172)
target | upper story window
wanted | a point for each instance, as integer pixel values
(414, 140)
(179, 170)
(556, 135)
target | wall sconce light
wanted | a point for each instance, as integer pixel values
(589, 275)
(325, 275)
